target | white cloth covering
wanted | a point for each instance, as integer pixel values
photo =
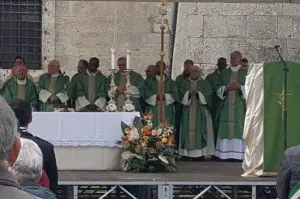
(80, 129)
(254, 119)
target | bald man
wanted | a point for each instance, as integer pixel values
(52, 88)
(196, 133)
(230, 90)
(21, 87)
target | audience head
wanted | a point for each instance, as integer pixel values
(244, 63)
(21, 72)
(53, 67)
(122, 64)
(82, 66)
(28, 166)
(93, 64)
(235, 58)
(158, 65)
(222, 63)
(195, 71)
(19, 60)
(8, 129)
(22, 110)
(187, 65)
(150, 71)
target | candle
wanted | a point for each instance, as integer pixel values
(113, 59)
(128, 60)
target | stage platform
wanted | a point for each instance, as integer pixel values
(206, 174)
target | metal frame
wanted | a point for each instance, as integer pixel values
(23, 19)
(166, 188)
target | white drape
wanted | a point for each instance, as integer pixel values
(253, 127)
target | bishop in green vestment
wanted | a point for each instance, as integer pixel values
(21, 87)
(136, 81)
(196, 133)
(52, 88)
(91, 90)
(151, 96)
(81, 68)
(216, 101)
(230, 89)
(178, 106)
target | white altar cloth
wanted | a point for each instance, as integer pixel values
(83, 141)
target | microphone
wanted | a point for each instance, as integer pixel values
(277, 46)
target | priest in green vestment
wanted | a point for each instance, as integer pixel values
(178, 106)
(81, 68)
(216, 101)
(230, 89)
(18, 61)
(151, 96)
(21, 87)
(150, 71)
(52, 88)
(136, 81)
(91, 90)
(196, 132)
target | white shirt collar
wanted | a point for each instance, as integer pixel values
(21, 82)
(93, 74)
(55, 75)
(235, 68)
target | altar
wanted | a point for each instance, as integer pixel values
(83, 141)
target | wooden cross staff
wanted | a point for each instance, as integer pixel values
(162, 54)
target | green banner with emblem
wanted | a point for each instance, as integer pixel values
(273, 112)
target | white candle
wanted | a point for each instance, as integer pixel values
(128, 60)
(113, 58)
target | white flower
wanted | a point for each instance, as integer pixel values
(159, 131)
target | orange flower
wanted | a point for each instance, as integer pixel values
(148, 116)
(171, 139)
(164, 140)
(125, 137)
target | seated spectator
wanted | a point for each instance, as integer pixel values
(289, 174)
(9, 187)
(28, 169)
(23, 113)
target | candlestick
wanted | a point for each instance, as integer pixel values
(128, 60)
(128, 106)
(113, 58)
(111, 105)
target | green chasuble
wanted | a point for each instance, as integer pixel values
(90, 91)
(21, 89)
(73, 86)
(171, 95)
(53, 85)
(136, 81)
(232, 113)
(196, 134)
(216, 101)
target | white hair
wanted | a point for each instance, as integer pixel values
(29, 165)
(8, 128)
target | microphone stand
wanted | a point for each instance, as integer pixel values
(285, 115)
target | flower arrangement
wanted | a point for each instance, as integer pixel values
(148, 149)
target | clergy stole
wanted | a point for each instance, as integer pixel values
(51, 89)
(231, 106)
(161, 103)
(120, 99)
(21, 91)
(91, 94)
(192, 144)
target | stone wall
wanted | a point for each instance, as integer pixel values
(207, 31)
(85, 29)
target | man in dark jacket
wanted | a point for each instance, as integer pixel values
(23, 113)
(9, 187)
(289, 173)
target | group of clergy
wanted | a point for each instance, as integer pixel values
(208, 114)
